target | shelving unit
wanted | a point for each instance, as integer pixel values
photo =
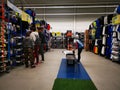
(115, 54)
(104, 37)
(100, 34)
(58, 41)
(4, 64)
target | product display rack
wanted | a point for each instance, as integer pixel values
(115, 53)
(100, 36)
(16, 37)
(4, 63)
(58, 41)
(104, 37)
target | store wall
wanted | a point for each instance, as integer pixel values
(74, 23)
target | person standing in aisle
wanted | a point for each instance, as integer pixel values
(43, 42)
(34, 35)
(80, 47)
(28, 46)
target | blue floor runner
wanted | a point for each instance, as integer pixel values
(76, 71)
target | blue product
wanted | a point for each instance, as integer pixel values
(109, 41)
(30, 12)
(101, 20)
(110, 29)
(118, 28)
(108, 52)
(98, 33)
(118, 9)
(98, 23)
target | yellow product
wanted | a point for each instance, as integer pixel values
(116, 19)
(58, 33)
(53, 33)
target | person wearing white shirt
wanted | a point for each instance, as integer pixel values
(34, 34)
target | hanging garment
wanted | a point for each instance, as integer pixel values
(98, 33)
(116, 43)
(104, 40)
(118, 33)
(108, 52)
(96, 42)
(103, 50)
(116, 53)
(108, 19)
(118, 9)
(93, 33)
(110, 30)
(114, 28)
(98, 25)
(115, 48)
(114, 40)
(115, 58)
(109, 41)
(103, 31)
(105, 20)
(117, 27)
(101, 20)
(114, 34)
(94, 24)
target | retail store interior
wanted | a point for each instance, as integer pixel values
(59, 44)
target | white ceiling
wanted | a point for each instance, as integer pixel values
(68, 7)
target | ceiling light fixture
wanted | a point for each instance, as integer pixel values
(99, 6)
(57, 14)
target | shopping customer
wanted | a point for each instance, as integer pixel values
(43, 42)
(80, 47)
(28, 46)
(34, 36)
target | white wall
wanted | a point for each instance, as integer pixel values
(64, 23)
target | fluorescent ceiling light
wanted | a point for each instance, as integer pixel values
(99, 6)
(57, 14)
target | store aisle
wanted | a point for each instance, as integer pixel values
(104, 73)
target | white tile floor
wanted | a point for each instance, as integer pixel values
(104, 73)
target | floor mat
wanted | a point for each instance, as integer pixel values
(76, 71)
(71, 84)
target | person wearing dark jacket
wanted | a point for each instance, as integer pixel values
(42, 37)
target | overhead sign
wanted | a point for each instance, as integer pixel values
(13, 7)
(24, 16)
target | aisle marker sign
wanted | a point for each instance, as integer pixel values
(24, 16)
(13, 7)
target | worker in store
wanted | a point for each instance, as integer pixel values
(34, 35)
(79, 45)
(28, 46)
(43, 42)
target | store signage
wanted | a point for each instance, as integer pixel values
(13, 7)
(24, 16)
